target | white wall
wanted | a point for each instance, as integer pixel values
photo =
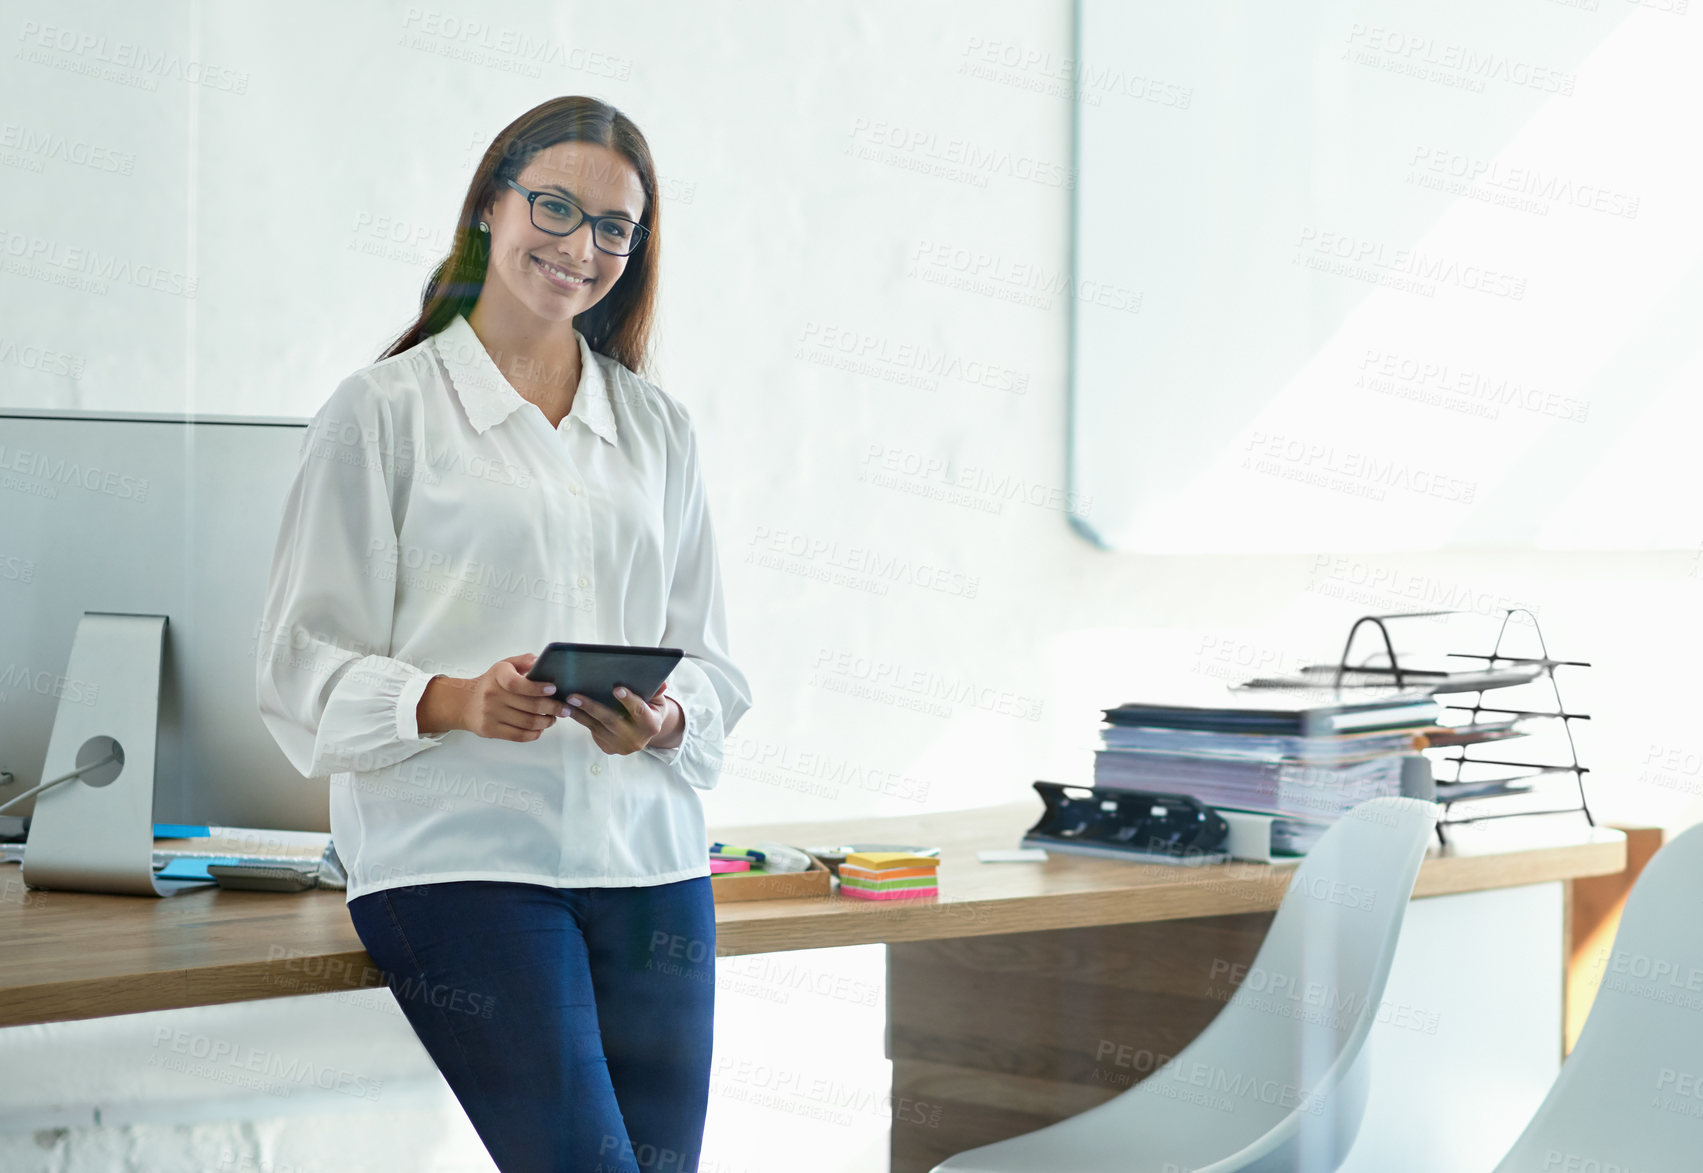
(769, 107)
(1434, 264)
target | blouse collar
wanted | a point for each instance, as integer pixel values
(488, 398)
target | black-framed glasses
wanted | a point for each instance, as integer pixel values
(559, 216)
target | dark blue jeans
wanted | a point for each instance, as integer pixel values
(573, 1024)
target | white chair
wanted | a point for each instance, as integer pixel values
(1630, 1096)
(1278, 1080)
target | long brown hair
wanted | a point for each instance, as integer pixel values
(619, 325)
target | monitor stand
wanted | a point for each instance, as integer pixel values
(96, 833)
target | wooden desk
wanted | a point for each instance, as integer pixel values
(1123, 933)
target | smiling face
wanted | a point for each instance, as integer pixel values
(560, 277)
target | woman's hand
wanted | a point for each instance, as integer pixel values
(500, 702)
(636, 724)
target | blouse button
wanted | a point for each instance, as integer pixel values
(597, 767)
(574, 489)
(584, 581)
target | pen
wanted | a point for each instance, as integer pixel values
(733, 851)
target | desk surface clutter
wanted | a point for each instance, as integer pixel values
(81, 955)
(889, 875)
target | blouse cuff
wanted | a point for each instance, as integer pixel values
(408, 705)
(371, 720)
(698, 756)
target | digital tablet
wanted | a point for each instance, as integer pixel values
(593, 670)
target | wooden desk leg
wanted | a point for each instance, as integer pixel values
(996, 1036)
(1594, 905)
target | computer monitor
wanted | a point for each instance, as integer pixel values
(150, 515)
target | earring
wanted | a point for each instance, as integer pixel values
(484, 227)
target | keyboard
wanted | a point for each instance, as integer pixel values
(162, 858)
(14, 853)
(267, 873)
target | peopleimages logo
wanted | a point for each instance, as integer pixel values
(884, 465)
(1656, 970)
(231, 1062)
(880, 140)
(1411, 269)
(481, 42)
(505, 581)
(49, 473)
(15, 677)
(1362, 473)
(40, 359)
(1039, 69)
(1469, 66)
(1555, 1161)
(95, 51)
(861, 351)
(351, 441)
(1027, 282)
(1337, 892)
(1520, 188)
(27, 256)
(817, 557)
(16, 569)
(36, 145)
(924, 683)
(814, 771)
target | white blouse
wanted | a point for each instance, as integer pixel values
(437, 524)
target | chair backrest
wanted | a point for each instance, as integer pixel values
(1302, 1009)
(1630, 1096)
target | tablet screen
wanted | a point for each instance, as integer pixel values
(594, 670)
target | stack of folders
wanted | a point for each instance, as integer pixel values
(1303, 758)
(888, 875)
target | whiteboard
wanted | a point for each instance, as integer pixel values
(1405, 277)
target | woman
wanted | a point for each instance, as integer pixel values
(535, 889)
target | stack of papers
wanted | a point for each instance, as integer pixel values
(1304, 756)
(1427, 679)
(1276, 786)
(888, 875)
(1287, 712)
(1343, 747)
